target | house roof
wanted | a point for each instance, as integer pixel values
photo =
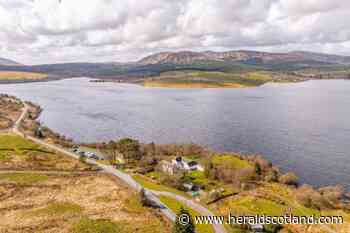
(192, 163)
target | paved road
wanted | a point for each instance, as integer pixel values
(152, 195)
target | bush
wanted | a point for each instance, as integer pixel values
(289, 179)
(179, 227)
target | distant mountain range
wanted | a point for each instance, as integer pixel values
(189, 57)
(158, 63)
(6, 62)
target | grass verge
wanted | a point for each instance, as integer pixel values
(147, 183)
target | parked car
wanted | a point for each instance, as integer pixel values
(82, 153)
(94, 156)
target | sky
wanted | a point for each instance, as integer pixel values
(58, 31)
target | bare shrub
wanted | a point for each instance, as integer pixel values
(310, 198)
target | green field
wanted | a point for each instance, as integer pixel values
(231, 161)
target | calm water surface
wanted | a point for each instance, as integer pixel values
(302, 127)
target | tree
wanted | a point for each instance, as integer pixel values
(110, 150)
(209, 168)
(272, 176)
(39, 132)
(258, 169)
(143, 198)
(184, 222)
(130, 149)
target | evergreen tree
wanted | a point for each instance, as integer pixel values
(184, 222)
(258, 169)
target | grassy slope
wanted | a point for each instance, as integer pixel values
(203, 79)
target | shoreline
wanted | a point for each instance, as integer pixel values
(69, 141)
(262, 188)
(154, 84)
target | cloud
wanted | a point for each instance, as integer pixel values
(49, 31)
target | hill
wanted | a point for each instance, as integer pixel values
(188, 57)
(307, 65)
(7, 62)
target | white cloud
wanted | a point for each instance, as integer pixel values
(44, 31)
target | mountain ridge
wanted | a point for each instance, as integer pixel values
(188, 57)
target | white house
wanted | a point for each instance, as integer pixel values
(182, 164)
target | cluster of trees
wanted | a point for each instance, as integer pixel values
(127, 149)
(146, 156)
